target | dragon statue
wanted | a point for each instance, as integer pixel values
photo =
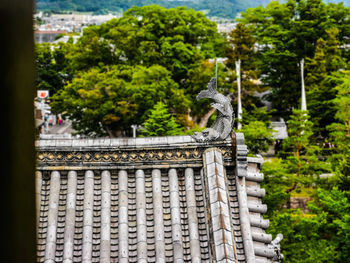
(222, 127)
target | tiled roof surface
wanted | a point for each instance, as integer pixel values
(61, 180)
(184, 211)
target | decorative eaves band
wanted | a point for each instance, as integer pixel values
(82, 155)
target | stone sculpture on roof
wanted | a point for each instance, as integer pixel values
(222, 127)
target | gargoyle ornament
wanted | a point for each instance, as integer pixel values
(222, 127)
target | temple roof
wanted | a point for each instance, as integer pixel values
(161, 199)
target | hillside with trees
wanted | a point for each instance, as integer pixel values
(226, 8)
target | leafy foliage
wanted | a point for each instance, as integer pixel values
(257, 136)
(256, 129)
(160, 122)
(322, 235)
(301, 156)
(341, 101)
(326, 61)
(276, 181)
(50, 67)
(150, 52)
(173, 38)
(340, 132)
(286, 33)
(109, 100)
(241, 46)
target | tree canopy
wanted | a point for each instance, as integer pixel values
(173, 38)
(288, 32)
(152, 49)
(109, 100)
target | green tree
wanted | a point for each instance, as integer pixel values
(316, 66)
(96, 102)
(91, 50)
(256, 128)
(320, 235)
(257, 136)
(153, 84)
(241, 46)
(339, 131)
(300, 166)
(301, 156)
(307, 237)
(160, 122)
(108, 100)
(50, 65)
(277, 180)
(298, 141)
(179, 41)
(173, 38)
(320, 92)
(339, 16)
(286, 33)
(342, 101)
(273, 27)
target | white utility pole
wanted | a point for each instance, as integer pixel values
(239, 103)
(134, 127)
(216, 72)
(303, 95)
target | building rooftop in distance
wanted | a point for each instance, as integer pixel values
(280, 129)
(157, 199)
(46, 36)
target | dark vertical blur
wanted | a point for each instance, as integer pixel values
(17, 131)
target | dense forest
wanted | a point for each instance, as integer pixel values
(147, 67)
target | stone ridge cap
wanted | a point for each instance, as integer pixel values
(257, 159)
(126, 143)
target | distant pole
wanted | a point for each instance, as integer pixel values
(239, 103)
(134, 127)
(216, 71)
(303, 96)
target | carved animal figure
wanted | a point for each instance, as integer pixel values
(222, 127)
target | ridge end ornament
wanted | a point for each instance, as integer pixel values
(223, 125)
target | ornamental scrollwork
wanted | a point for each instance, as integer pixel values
(155, 155)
